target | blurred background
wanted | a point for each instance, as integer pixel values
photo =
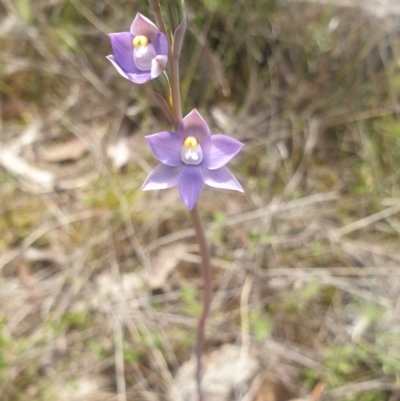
(100, 283)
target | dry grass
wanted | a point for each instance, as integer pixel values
(100, 281)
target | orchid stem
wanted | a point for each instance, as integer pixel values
(155, 9)
(206, 262)
(173, 58)
(176, 112)
(175, 89)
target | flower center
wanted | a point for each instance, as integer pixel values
(191, 152)
(143, 52)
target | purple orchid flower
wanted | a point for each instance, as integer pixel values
(191, 157)
(141, 54)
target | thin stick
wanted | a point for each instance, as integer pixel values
(366, 221)
(118, 331)
(205, 255)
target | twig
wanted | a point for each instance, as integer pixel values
(308, 148)
(245, 323)
(366, 221)
(270, 210)
(19, 167)
(365, 386)
(118, 336)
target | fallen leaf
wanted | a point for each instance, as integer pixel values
(67, 151)
(272, 389)
(166, 260)
(227, 372)
(317, 391)
(16, 165)
(25, 276)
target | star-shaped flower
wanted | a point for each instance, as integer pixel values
(141, 54)
(191, 157)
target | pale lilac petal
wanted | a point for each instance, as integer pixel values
(123, 51)
(117, 67)
(220, 151)
(166, 146)
(162, 177)
(190, 184)
(161, 44)
(221, 178)
(143, 26)
(194, 125)
(158, 65)
(139, 78)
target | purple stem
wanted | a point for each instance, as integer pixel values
(155, 9)
(194, 214)
(205, 256)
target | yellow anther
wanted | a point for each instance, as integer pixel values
(190, 142)
(140, 40)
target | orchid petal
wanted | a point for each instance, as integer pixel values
(219, 151)
(221, 178)
(194, 125)
(190, 184)
(116, 66)
(141, 25)
(166, 146)
(158, 65)
(139, 78)
(162, 177)
(123, 51)
(161, 44)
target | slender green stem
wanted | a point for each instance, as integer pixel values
(173, 15)
(206, 262)
(175, 90)
(173, 58)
